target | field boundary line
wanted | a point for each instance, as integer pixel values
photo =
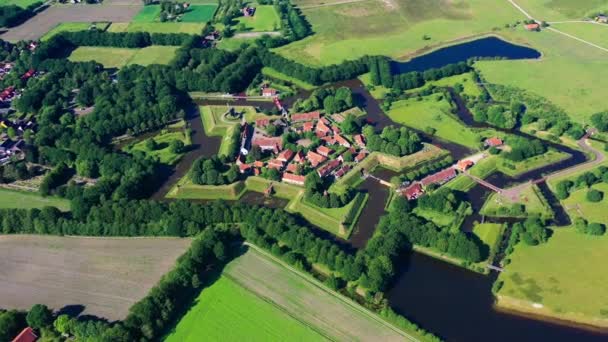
(340, 297)
(337, 3)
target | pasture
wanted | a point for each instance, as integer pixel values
(199, 13)
(555, 10)
(562, 278)
(577, 205)
(27, 200)
(278, 303)
(20, 3)
(394, 28)
(105, 276)
(190, 28)
(489, 234)
(118, 57)
(265, 19)
(433, 112)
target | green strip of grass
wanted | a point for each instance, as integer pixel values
(28, 200)
(272, 73)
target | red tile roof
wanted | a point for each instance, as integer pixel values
(323, 128)
(359, 140)
(299, 157)
(305, 116)
(413, 191)
(343, 170)
(341, 140)
(359, 157)
(291, 167)
(328, 140)
(258, 163)
(262, 122)
(276, 164)
(314, 158)
(308, 126)
(269, 92)
(294, 179)
(329, 167)
(324, 151)
(439, 177)
(463, 165)
(244, 167)
(286, 155)
(275, 144)
(494, 141)
(26, 335)
(531, 27)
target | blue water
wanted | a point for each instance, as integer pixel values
(490, 47)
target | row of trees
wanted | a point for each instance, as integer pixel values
(13, 15)
(330, 99)
(122, 39)
(522, 148)
(565, 187)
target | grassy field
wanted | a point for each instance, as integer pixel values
(163, 152)
(270, 72)
(199, 13)
(554, 10)
(577, 205)
(470, 88)
(185, 189)
(190, 28)
(147, 14)
(563, 278)
(594, 33)
(392, 28)
(20, 3)
(514, 169)
(330, 219)
(434, 112)
(105, 275)
(118, 57)
(26, 200)
(567, 74)
(65, 27)
(489, 233)
(268, 300)
(265, 19)
(497, 205)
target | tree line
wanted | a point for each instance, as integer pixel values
(395, 141)
(13, 15)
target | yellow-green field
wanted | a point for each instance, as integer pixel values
(163, 151)
(26, 200)
(563, 278)
(118, 57)
(265, 19)
(190, 28)
(554, 10)
(578, 206)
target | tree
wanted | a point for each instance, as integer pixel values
(150, 144)
(595, 229)
(600, 121)
(176, 146)
(10, 324)
(39, 316)
(350, 125)
(594, 195)
(63, 324)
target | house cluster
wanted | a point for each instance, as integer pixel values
(417, 189)
(248, 11)
(325, 159)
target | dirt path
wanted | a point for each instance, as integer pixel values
(256, 34)
(585, 146)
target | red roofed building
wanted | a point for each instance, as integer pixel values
(269, 92)
(324, 151)
(328, 168)
(244, 168)
(262, 122)
(301, 117)
(293, 179)
(26, 335)
(532, 27)
(463, 165)
(299, 157)
(286, 155)
(325, 121)
(440, 177)
(323, 128)
(28, 74)
(359, 157)
(308, 126)
(276, 164)
(7, 94)
(258, 163)
(493, 142)
(341, 140)
(266, 144)
(359, 140)
(413, 191)
(291, 167)
(315, 159)
(328, 140)
(343, 170)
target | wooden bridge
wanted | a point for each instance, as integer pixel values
(494, 268)
(484, 183)
(380, 180)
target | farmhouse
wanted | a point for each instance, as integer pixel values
(301, 117)
(440, 177)
(602, 19)
(532, 27)
(464, 165)
(26, 335)
(293, 179)
(413, 191)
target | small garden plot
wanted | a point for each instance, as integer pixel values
(199, 13)
(265, 19)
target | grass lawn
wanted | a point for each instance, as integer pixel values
(554, 10)
(270, 72)
(438, 218)
(395, 28)
(433, 113)
(233, 44)
(265, 19)
(163, 153)
(566, 75)
(190, 28)
(595, 33)
(118, 57)
(199, 13)
(535, 204)
(516, 168)
(27, 200)
(147, 14)
(65, 27)
(470, 88)
(20, 3)
(564, 278)
(577, 205)
(185, 189)
(489, 233)
(377, 91)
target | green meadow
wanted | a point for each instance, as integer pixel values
(265, 19)
(118, 57)
(27, 200)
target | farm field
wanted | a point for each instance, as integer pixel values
(295, 296)
(433, 111)
(104, 275)
(65, 27)
(560, 278)
(199, 13)
(565, 75)
(147, 14)
(27, 200)
(577, 205)
(46, 20)
(118, 57)
(265, 19)
(163, 151)
(392, 28)
(190, 28)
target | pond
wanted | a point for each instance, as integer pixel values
(490, 47)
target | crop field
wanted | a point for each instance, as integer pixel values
(46, 20)
(104, 275)
(147, 14)
(577, 205)
(26, 200)
(163, 151)
(567, 73)
(433, 111)
(265, 19)
(393, 28)
(190, 28)
(281, 304)
(199, 13)
(118, 57)
(563, 278)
